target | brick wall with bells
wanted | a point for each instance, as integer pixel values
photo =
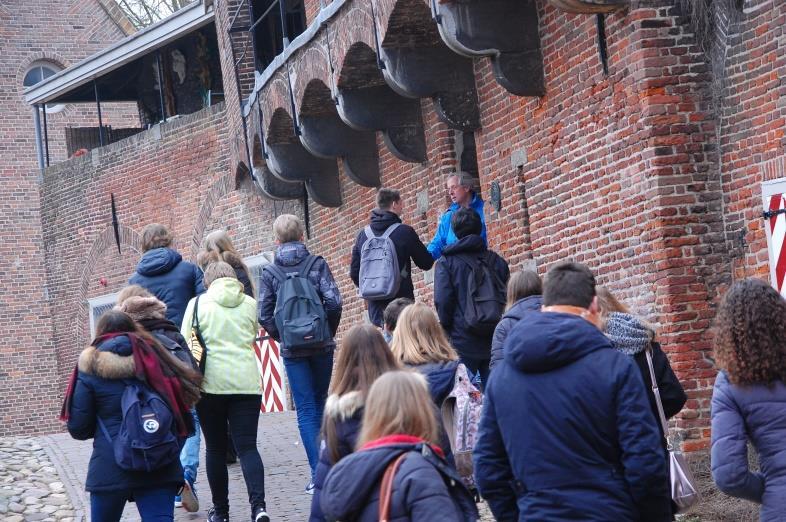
(62, 35)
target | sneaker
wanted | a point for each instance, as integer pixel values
(215, 516)
(260, 515)
(188, 497)
(310, 488)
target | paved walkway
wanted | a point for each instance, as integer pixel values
(286, 474)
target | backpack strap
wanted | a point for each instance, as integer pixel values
(386, 487)
(369, 233)
(275, 271)
(309, 263)
(392, 228)
(102, 426)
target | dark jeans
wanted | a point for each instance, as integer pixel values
(154, 505)
(477, 365)
(242, 413)
(309, 378)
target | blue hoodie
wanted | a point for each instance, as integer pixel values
(164, 274)
(445, 235)
(566, 431)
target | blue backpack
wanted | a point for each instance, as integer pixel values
(300, 316)
(146, 440)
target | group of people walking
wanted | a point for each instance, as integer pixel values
(540, 396)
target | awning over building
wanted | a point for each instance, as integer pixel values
(117, 67)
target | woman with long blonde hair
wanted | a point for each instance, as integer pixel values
(363, 357)
(397, 439)
(217, 246)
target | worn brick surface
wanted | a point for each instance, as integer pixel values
(62, 33)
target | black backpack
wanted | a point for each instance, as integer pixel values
(485, 295)
(299, 314)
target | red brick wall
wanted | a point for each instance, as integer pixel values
(753, 146)
(63, 33)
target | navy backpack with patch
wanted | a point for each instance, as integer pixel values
(146, 440)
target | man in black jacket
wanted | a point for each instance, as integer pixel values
(451, 279)
(408, 247)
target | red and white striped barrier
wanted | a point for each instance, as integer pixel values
(271, 367)
(777, 224)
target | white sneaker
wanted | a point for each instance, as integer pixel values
(310, 488)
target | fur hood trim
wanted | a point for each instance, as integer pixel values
(107, 365)
(140, 308)
(344, 406)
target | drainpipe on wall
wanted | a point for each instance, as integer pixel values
(39, 145)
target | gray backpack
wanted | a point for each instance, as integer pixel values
(380, 276)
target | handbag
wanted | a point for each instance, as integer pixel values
(197, 344)
(386, 488)
(684, 492)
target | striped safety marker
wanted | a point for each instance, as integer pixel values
(271, 367)
(778, 233)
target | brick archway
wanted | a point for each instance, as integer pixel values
(218, 189)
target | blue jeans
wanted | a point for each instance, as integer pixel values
(189, 456)
(309, 378)
(476, 366)
(154, 505)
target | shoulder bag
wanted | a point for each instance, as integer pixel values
(684, 492)
(386, 488)
(197, 343)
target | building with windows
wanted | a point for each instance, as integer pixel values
(636, 136)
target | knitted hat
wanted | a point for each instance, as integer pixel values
(627, 333)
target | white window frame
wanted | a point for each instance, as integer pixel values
(96, 302)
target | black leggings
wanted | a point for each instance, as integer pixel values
(242, 413)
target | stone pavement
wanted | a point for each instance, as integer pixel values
(286, 474)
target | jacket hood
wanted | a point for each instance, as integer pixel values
(343, 494)
(291, 254)
(343, 407)
(141, 308)
(158, 261)
(525, 305)
(627, 333)
(468, 244)
(440, 377)
(110, 359)
(549, 340)
(382, 219)
(227, 291)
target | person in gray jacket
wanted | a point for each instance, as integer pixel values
(749, 398)
(524, 289)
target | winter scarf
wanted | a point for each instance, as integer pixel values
(627, 333)
(148, 369)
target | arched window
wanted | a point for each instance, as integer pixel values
(38, 72)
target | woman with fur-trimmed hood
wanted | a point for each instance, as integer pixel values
(364, 356)
(121, 352)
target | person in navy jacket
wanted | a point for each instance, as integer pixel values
(408, 246)
(96, 390)
(524, 296)
(163, 272)
(460, 188)
(567, 432)
(749, 398)
(451, 277)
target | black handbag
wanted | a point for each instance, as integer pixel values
(197, 343)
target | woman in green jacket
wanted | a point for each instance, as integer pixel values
(231, 388)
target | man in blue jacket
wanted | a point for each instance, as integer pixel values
(164, 274)
(567, 432)
(462, 195)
